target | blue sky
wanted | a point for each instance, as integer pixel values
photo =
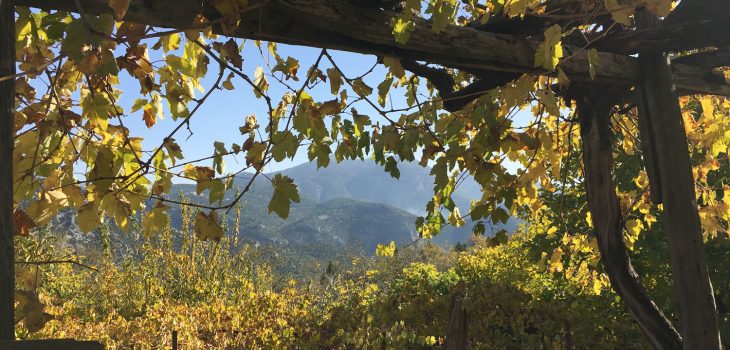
(223, 113)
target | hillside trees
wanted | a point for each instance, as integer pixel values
(473, 68)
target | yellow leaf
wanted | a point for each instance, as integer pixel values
(660, 8)
(597, 286)
(620, 12)
(589, 219)
(156, 220)
(563, 78)
(642, 180)
(515, 8)
(395, 67)
(456, 219)
(207, 227)
(119, 7)
(88, 217)
(550, 51)
(556, 265)
(708, 110)
(592, 61)
(385, 250)
(330, 107)
(515, 93)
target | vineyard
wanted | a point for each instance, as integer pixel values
(218, 300)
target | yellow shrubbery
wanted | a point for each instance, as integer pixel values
(219, 300)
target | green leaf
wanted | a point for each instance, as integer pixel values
(501, 237)
(255, 155)
(443, 14)
(285, 192)
(383, 89)
(285, 145)
(499, 215)
(220, 150)
(479, 229)
(228, 84)
(391, 166)
(320, 151)
(217, 190)
(173, 150)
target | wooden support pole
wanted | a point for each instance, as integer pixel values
(594, 110)
(665, 135)
(51, 344)
(7, 106)
(457, 332)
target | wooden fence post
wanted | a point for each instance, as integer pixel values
(7, 106)
(174, 340)
(51, 344)
(457, 332)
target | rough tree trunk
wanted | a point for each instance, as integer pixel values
(7, 98)
(664, 134)
(594, 110)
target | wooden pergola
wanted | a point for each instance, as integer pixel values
(650, 65)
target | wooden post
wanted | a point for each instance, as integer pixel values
(174, 340)
(594, 110)
(51, 344)
(7, 106)
(664, 133)
(457, 333)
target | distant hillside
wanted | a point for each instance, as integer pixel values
(354, 205)
(367, 181)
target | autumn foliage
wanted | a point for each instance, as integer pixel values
(515, 130)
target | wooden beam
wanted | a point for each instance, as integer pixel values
(51, 344)
(691, 10)
(677, 37)
(341, 25)
(673, 173)
(7, 107)
(706, 59)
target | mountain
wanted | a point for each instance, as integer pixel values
(367, 181)
(351, 205)
(361, 192)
